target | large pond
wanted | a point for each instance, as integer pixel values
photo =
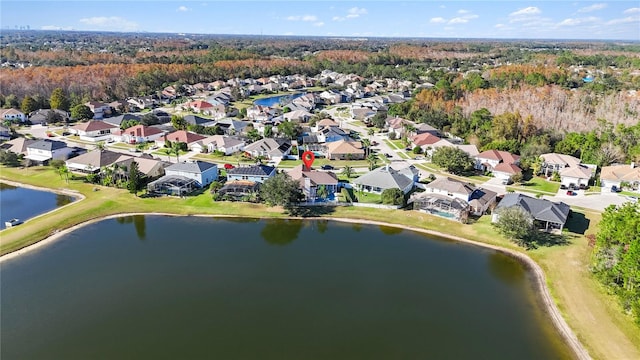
(276, 100)
(23, 203)
(192, 288)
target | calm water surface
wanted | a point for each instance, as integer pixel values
(275, 100)
(190, 288)
(23, 203)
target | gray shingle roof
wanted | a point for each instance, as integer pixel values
(197, 167)
(540, 209)
(47, 145)
(384, 178)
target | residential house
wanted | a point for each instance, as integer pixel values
(331, 133)
(472, 150)
(140, 134)
(93, 161)
(547, 215)
(344, 150)
(148, 166)
(311, 181)
(424, 141)
(450, 198)
(184, 177)
(197, 120)
(143, 102)
(99, 109)
(238, 190)
(502, 164)
(255, 173)
(42, 151)
(398, 126)
(422, 128)
(273, 149)
(12, 115)
(261, 113)
(297, 115)
(382, 178)
(45, 116)
(118, 120)
(577, 176)
(615, 175)
(94, 130)
(186, 137)
(222, 143)
(18, 145)
(552, 162)
(5, 133)
(231, 126)
(323, 124)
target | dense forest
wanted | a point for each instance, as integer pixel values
(562, 86)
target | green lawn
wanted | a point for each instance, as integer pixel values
(629, 193)
(365, 197)
(538, 185)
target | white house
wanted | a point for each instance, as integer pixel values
(578, 175)
(615, 175)
(94, 130)
(12, 115)
(225, 144)
(99, 109)
(502, 164)
(204, 173)
(44, 150)
(274, 149)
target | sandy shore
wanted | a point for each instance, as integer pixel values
(540, 281)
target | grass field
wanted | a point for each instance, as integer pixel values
(595, 316)
(537, 185)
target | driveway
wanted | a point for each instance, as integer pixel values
(592, 201)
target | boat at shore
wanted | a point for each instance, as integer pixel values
(12, 222)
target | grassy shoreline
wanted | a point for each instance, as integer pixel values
(594, 316)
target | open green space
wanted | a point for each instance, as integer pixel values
(595, 316)
(537, 185)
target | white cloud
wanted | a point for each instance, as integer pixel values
(55, 27)
(531, 10)
(110, 23)
(593, 7)
(354, 12)
(309, 18)
(318, 24)
(462, 19)
(499, 26)
(183, 9)
(632, 10)
(463, 11)
(437, 20)
(578, 21)
(628, 19)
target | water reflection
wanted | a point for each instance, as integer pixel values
(139, 222)
(62, 200)
(4, 186)
(506, 268)
(322, 225)
(280, 232)
(390, 230)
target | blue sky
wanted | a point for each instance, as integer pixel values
(558, 19)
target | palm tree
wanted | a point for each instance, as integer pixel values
(373, 160)
(100, 145)
(366, 143)
(347, 171)
(168, 152)
(322, 192)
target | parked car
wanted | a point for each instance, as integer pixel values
(632, 199)
(326, 167)
(571, 193)
(615, 189)
(563, 187)
(387, 155)
(228, 166)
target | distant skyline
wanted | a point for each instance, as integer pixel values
(579, 20)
